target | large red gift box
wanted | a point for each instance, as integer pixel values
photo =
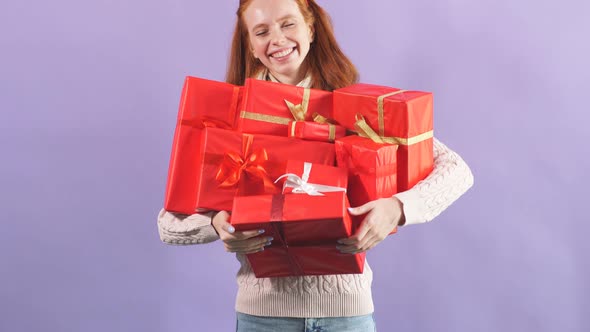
(209, 103)
(295, 219)
(305, 230)
(283, 261)
(209, 166)
(268, 107)
(394, 116)
(371, 167)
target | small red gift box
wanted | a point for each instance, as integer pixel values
(209, 166)
(394, 116)
(209, 103)
(281, 261)
(295, 219)
(306, 178)
(313, 131)
(268, 107)
(372, 168)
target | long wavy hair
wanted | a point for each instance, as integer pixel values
(330, 68)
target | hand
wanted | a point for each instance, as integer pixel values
(246, 242)
(383, 215)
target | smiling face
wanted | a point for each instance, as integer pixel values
(279, 37)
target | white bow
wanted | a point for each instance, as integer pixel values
(301, 185)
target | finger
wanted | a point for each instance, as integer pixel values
(249, 246)
(253, 251)
(250, 243)
(243, 235)
(366, 225)
(221, 221)
(369, 243)
(228, 232)
(360, 210)
(355, 248)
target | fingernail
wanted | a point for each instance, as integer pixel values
(260, 231)
(261, 249)
(270, 238)
(350, 209)
(340, 241)
(231, 229)
(267, 243)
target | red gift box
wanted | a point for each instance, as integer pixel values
(209, 103)
(306, 178)
(268, 107)
(295, 219)
(305, 230)
(209, 166)
(371, 167)
(281, 261)
(313, 131)
(390, 115)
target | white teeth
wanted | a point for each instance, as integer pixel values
(282, 53)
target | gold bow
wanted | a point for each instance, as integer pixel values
(364, 130)
(298, 111)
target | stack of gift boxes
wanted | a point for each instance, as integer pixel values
(291, 160)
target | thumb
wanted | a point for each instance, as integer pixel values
(363, 209)
(221, 219)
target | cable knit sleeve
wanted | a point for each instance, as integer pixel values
(450, 178)
(182, 229)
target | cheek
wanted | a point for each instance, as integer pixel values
(259, 49)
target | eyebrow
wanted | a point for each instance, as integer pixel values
(280, 19)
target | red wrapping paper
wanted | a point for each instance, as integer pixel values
(313, 131)
(209, 103)
(371, 168)
(199, 153)
(407, 116)
(295, 219)
(280, 261)
(263, 109)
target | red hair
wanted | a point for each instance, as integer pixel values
(330, 68)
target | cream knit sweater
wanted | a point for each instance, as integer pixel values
(328, 295)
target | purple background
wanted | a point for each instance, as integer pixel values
(89, 93)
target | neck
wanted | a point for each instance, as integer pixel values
(292, 80)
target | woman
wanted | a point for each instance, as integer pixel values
(291, 41)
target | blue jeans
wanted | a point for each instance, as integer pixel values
(249, 323)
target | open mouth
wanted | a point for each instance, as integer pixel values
(282, 54)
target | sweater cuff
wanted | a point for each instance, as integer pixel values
(183, 229)
(413, 207)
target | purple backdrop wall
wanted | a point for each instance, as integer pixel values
(89, 93)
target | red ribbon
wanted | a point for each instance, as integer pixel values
(234, 168)
(276, 217)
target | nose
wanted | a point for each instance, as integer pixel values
(278, 37)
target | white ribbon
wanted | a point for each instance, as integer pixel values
(301, 186)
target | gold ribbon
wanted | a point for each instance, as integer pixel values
(298, 111)
(318, 118)
(265, 118)
(364, 130)
(380, 102)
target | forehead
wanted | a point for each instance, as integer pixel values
(269, 11)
